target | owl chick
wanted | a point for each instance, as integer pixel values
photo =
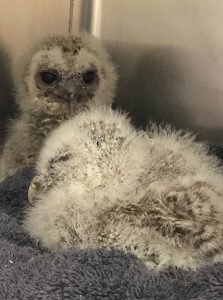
(63, 76)
(102, 183)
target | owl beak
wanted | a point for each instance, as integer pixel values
(70, 87)
(34, 189)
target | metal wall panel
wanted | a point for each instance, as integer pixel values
(24, 21)
(169, 53)
(170, 58)
(21, 23)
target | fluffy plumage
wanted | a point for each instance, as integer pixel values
(62, 76)
(100, 182)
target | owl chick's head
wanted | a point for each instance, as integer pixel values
(69, 71)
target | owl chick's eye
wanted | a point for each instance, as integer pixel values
(60, 158)
(49, 77)
(89, 77)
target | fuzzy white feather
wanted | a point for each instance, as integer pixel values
(103, 183)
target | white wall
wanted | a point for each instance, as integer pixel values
(169, 52)
(23, 21)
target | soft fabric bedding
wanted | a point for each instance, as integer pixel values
(28, 271)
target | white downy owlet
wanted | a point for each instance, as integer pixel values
(100, 182)
(62, 76)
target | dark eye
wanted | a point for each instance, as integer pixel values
(49, 77)
(89, 76)
(63, 157)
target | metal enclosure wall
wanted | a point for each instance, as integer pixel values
(24, 21)
(21, 23)
(170, 58)
(169, 53)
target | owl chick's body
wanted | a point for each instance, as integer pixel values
(64, 75)
(102, 183)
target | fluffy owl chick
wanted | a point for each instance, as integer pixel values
(102, 183)
(63, 76)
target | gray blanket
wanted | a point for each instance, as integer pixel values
(28, 271)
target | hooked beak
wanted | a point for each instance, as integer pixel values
(34, 189)
(70, 88)
(65, 94)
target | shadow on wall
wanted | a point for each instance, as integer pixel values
(7, 103)
(169, 85)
